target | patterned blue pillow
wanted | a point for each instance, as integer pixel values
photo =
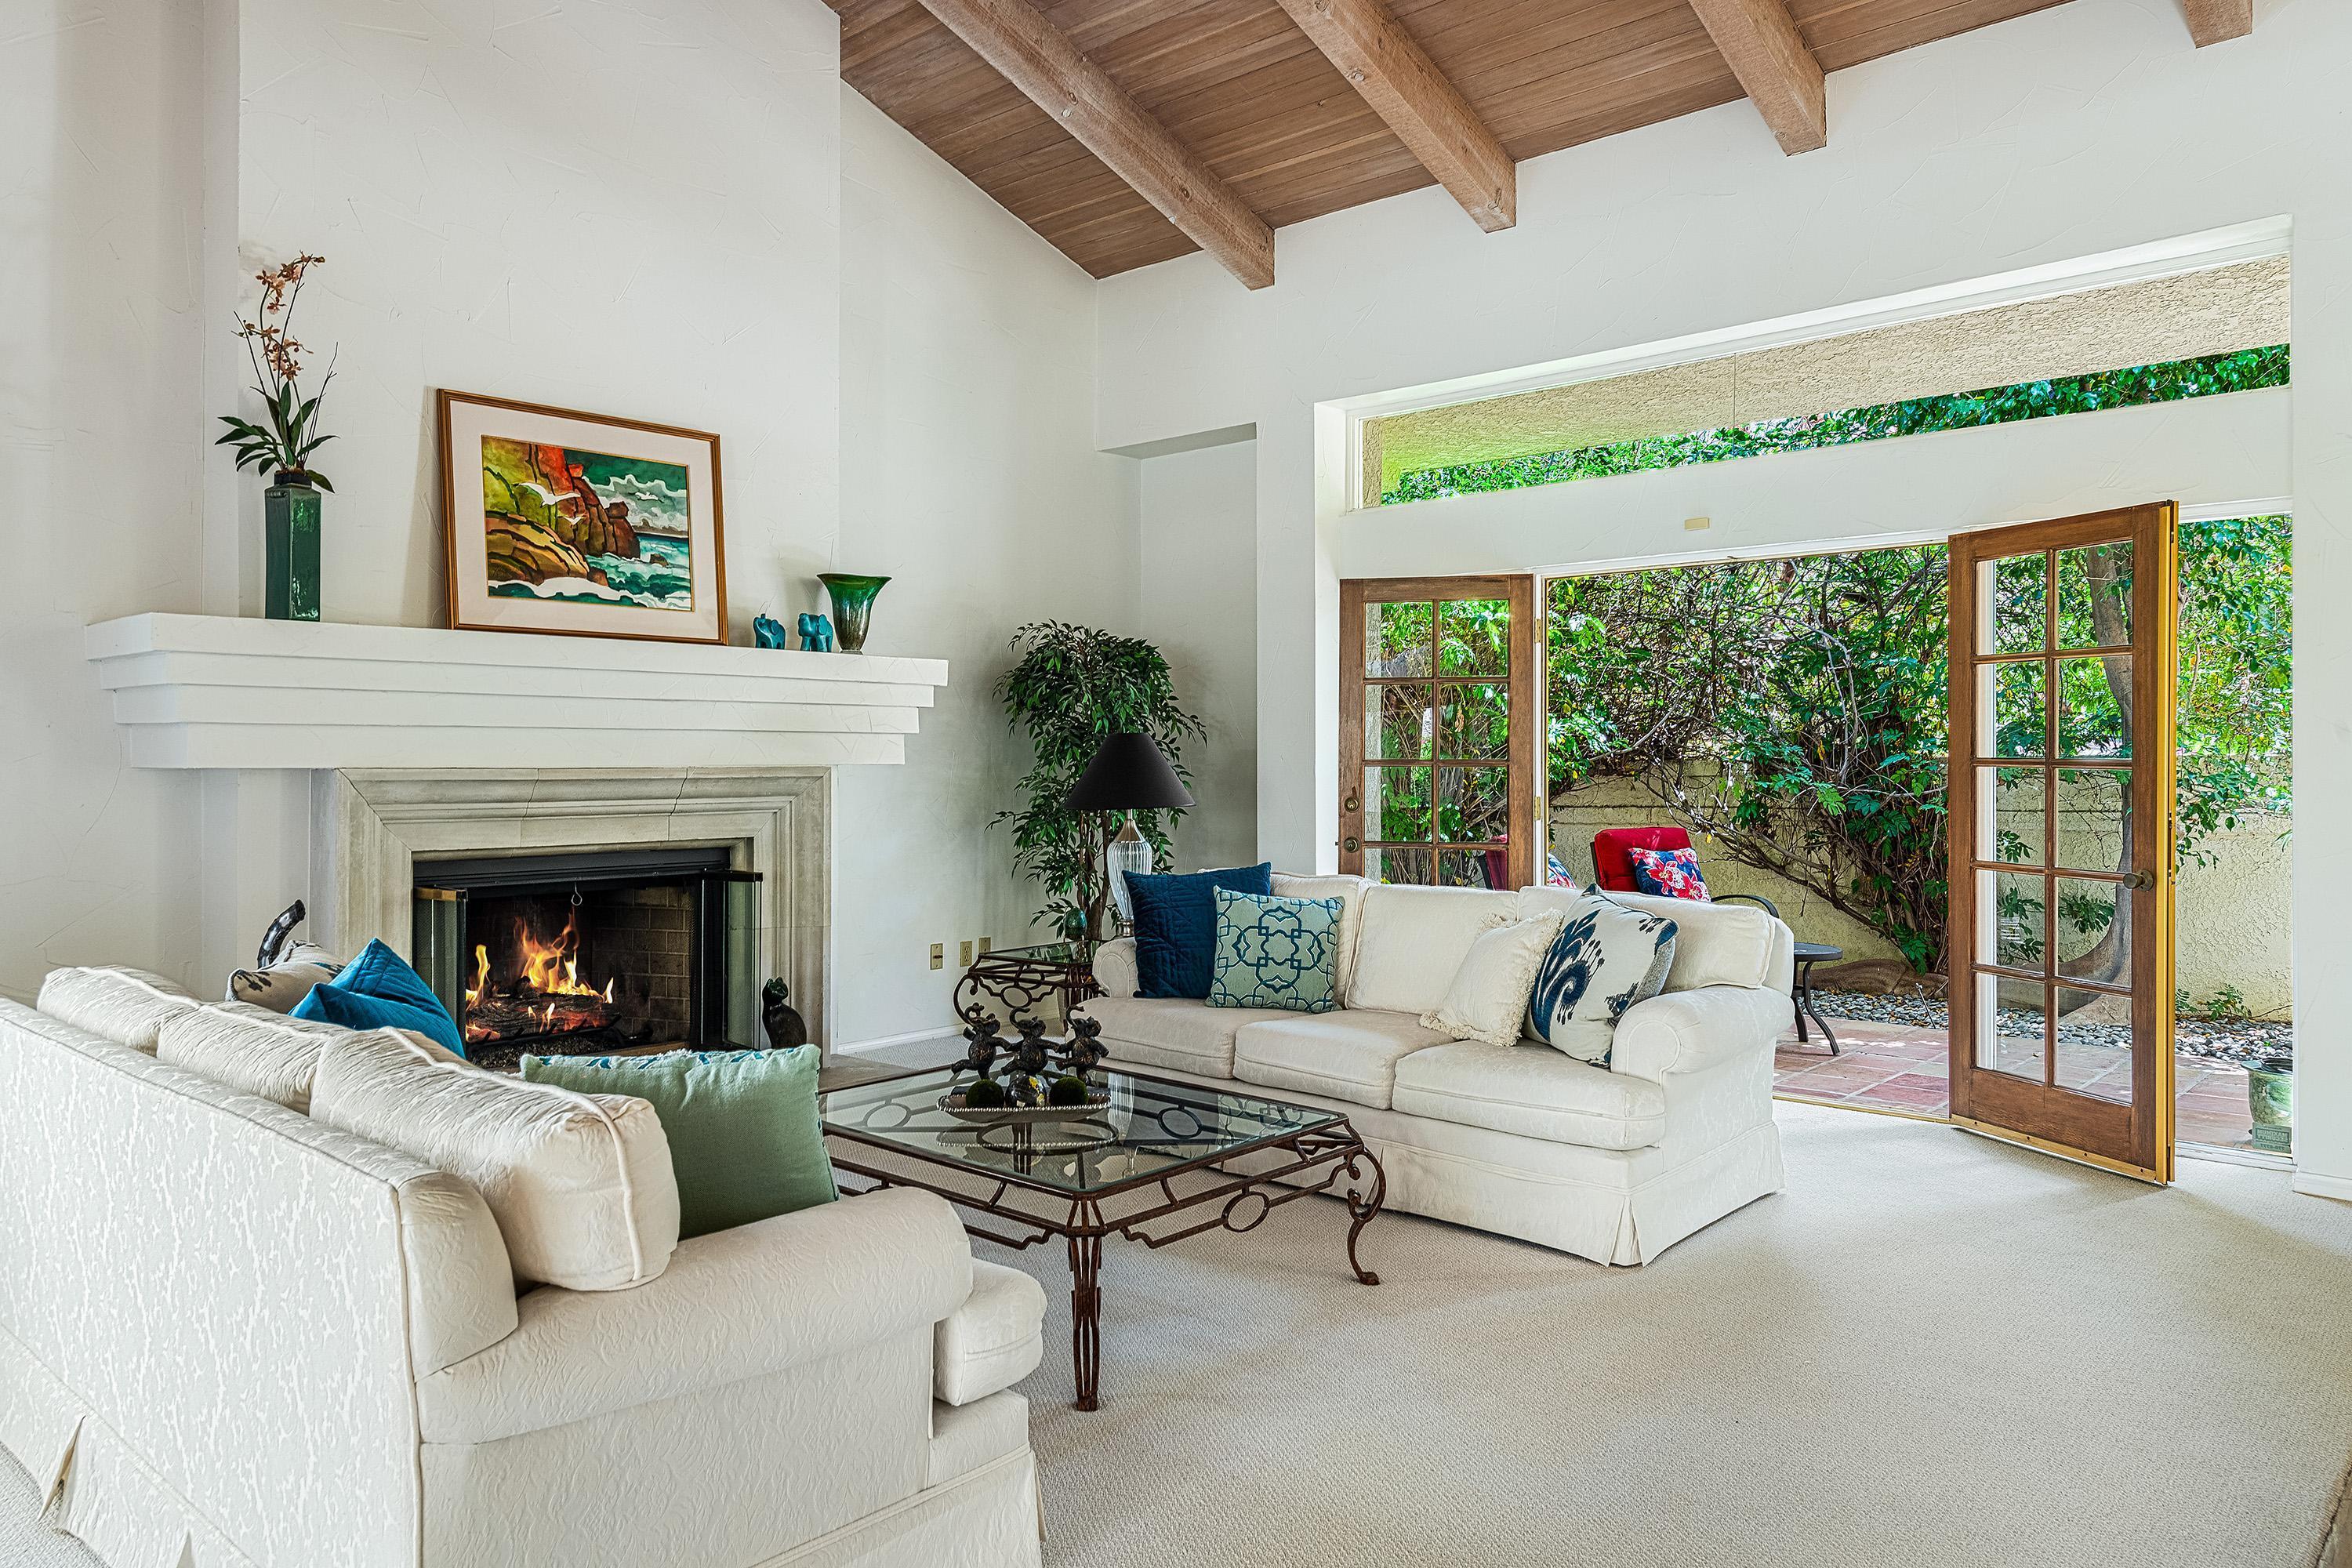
(1605, 959)
(1176, 926)
(1276, 953)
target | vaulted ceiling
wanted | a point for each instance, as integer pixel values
(1128, 132)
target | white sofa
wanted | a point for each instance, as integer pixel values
(1615, 1163)
(231, 1335)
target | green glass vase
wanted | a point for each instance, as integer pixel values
(291, 549)
(853, 607)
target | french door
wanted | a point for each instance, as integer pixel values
(2062, 830)
(1441, 764)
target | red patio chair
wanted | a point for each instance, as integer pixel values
(1613, 868)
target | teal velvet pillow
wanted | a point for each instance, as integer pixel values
(377, 990)
(1276, 953)
(744, 1140)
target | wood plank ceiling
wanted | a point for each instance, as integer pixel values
(1248, 94)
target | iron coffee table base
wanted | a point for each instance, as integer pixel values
(1155, 1210)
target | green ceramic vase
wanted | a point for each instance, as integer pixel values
(853, 606)
(291, 549)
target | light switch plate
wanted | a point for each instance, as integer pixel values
(938, 955)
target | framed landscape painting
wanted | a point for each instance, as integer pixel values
(578, 523)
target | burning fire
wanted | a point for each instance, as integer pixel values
(538, 969)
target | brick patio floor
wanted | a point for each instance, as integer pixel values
(1893, 1066)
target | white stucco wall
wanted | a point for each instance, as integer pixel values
(647, 211)
(2077, 132)
(1200, 516)
(101, 447)
(967, 473)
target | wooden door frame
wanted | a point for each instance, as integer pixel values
(2136, 1139)
(1523, 692)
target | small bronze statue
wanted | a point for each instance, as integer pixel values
(1085, 1051)
(784, 1026)
(979, 1056)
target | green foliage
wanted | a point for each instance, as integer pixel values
(2245, 371)
(1467, 722)
(1073, 687)
(1791, 709)
(1795, 711)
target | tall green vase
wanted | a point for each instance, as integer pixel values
(291, 549)
(853, 606)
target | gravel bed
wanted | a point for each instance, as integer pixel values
(2238, 1041)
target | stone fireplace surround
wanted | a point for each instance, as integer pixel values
(369, 826)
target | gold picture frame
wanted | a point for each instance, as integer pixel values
(577, 524)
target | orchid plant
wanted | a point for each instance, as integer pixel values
(291, 435)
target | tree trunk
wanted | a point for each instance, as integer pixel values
(2108, 567)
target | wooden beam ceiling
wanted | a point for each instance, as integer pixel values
(1265, 109)
(1778, 73)
(1427, 113)
(1039, 58)
(2217, 21)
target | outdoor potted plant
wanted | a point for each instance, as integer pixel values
(290, 505)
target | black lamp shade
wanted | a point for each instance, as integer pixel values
(1129, 775)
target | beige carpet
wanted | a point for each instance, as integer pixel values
(1931, 1350)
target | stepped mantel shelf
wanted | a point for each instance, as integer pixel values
(218, 691)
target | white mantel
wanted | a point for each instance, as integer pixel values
(217, 691)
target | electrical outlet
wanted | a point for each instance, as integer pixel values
(1697, 524)
(963, 954)
(986, 945)
(938, 955)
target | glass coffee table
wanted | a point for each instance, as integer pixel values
(1160, 1161)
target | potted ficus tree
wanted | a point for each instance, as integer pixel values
(1072, 688)
(290, 505)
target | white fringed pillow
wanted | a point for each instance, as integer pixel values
(1488, 998)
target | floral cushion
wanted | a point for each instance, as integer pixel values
(1605, 959)
(1668, 873)
(1276, 953)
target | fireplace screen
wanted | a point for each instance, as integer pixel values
(586, 954)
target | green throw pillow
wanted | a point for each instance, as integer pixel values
(1276, 952)
(744, 1139)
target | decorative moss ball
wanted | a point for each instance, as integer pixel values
(1068, 1090)
(982, 1093)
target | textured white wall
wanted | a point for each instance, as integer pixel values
(101, 451)
(630, 210)
(1200, 517)
(2083, 130)
(969, 473)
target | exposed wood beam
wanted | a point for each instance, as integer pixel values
(2217, 21)
(1428, 113)
(1775, 68)
(1038, 58)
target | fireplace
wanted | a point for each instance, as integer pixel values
(591, 951)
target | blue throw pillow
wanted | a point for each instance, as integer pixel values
(1176, 926)
(377, 990)
(1276, 953)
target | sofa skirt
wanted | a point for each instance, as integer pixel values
(93, 1487)
(1619, 1207)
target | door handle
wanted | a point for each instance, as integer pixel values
(2140, 881)
(1353, 803)
(1350, 844)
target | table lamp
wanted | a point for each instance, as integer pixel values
(1128, 775)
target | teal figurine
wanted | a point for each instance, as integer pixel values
(768, 632)
(816, 635)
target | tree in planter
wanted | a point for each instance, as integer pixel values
(1072, 688)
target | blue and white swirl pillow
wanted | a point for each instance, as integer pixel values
(1605, 959)
(1276, 953)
